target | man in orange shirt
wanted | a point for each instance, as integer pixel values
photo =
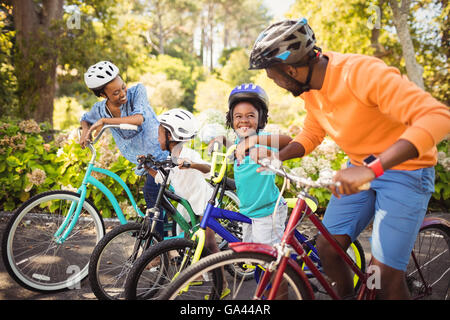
(388, 127)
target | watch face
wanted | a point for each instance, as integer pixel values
(370, 159)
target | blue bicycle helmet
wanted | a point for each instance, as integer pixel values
(251, 93)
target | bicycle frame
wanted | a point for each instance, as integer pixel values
(75, 208)
(283, 256)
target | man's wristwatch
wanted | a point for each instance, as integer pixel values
(374, 163)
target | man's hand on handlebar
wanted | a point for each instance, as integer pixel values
(263, 155)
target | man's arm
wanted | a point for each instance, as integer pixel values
(353, 177)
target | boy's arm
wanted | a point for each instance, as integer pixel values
(204, 168)
(188, 164)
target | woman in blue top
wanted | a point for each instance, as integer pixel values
(122, 105)
(257, 192)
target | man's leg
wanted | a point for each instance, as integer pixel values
(334, 266)
(401, 204)
(345, 218)
(392, 283)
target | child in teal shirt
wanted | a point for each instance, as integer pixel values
(257, 192)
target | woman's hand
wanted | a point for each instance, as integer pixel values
(351, 179)
(85, 138)
(96, 127)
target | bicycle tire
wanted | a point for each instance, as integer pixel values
(356, 252)
(432, 251)
(155, 273)
(177, 288)
(32, 228)
(112, 258)
(234, 228)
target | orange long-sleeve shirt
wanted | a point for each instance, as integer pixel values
(366, 106)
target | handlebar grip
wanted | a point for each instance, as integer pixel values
(186, 164)
(127, 126)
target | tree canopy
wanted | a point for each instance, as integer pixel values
(191, 53)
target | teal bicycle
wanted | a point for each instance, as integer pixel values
(49, 239)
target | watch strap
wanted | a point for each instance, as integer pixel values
(376, 167)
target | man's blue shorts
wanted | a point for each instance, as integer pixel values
(397, 203)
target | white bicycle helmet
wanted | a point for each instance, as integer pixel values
(100, 74)
(182, 124)
(287, 41)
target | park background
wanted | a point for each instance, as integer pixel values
(188, 54)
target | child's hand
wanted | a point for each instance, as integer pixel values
(243, 146)
(184, 163)
(217, 141)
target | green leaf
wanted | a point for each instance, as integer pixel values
(13, 161)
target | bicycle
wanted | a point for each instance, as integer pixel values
(281, 264)
(49, 239)
(116, 253)
(173, 256)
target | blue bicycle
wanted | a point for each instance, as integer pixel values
(162, 263)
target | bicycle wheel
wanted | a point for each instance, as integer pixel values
(29, 248)
(230, 202)
(157, 266)
(356, 252)
(113, 258)
(237, 289)
(430, 277)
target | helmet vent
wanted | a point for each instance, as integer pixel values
(302, 30)
(295, 46)
(272, 53)
(291, 37)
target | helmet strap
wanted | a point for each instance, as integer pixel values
(304, 87)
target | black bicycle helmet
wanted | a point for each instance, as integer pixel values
(254, 94)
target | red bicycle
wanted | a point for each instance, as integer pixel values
(284, 270)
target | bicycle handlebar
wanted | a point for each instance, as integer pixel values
(305, 182)
(122, 126)
(227, 155)
(150, 161)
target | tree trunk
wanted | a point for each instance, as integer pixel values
(380, 50)
(211, 35)
(160, 29)
(36, 56)
(414, 70)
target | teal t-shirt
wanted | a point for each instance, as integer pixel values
(257, 192)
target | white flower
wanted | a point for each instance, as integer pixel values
(309, 165)
(210, 131)
(299, 171)
(60, 152)
(37, 177)
(69, 188)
